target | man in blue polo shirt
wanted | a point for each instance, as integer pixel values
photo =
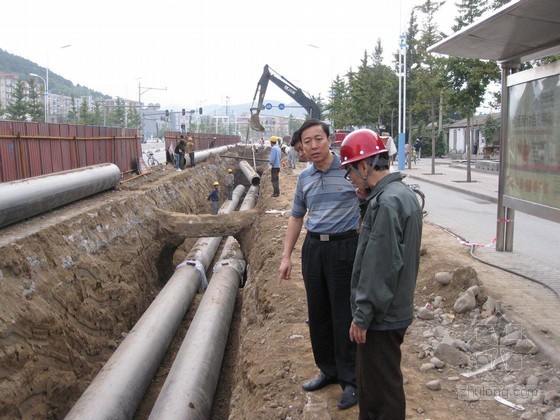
(274, 160)
(328, 253)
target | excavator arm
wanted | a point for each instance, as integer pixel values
(296, 93)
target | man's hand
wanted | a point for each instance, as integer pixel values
(357, 334)
(285, 269)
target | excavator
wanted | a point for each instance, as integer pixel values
(296, 93)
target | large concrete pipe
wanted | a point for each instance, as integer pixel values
(118, 388)
(188, 391)
(250, 199)
(32, 196)
(201, 155)
(249, 172)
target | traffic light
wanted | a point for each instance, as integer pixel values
(200, 110)
(183, 111)
(167, 113)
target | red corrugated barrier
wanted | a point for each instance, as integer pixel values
(29, 149)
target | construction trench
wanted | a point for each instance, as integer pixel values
(102, 285)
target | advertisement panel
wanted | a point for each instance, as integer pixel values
(532, 161)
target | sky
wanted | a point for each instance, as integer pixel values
(191, 53)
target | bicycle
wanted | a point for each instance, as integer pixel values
(152, 161)
(419, 194)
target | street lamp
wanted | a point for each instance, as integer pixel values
(46, 84)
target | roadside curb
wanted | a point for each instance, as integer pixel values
(451, 187)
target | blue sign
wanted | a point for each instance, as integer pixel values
(281, 107)
(268, 106)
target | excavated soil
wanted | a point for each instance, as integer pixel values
(74, 281)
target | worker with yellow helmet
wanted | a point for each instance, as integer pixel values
(214, 197)
(274, 161)
(229, 183)
(190, 150)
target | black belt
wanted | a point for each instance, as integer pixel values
(325, 237)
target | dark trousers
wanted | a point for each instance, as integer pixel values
(191, 157)
(379, 376)
(327, 270)
(275, 179)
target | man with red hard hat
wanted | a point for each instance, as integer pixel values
(384, 274)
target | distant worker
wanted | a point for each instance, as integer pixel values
(407, 153)
(274, 160)
(418, 143)
(212, 143)
(389, 144)
(179, 154)
(214, 197)
(190, 150)
(229, 183)
(292, 157)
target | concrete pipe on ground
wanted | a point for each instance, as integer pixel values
(29, 197)
(118, 388)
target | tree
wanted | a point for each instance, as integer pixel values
(134, 120)
(469, 77)
(73, 113)
(84, 116)
(116, 117)
(490, 130)
(97, 117)
(339, 104)
(36, 106)
(18, 109)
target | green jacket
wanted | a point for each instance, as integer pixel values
(387, 258)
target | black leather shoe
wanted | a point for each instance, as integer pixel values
(318, 382)
(349, 398)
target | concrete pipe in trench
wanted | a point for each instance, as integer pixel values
(29, 197)
(201, 155)
(249, 173)
(188, 391)
(118, 388)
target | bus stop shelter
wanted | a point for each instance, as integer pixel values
(529, 177)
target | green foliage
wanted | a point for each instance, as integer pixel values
(467, 77)
(441, 146)
(490, 130)
(134, 120)
(18, 109)
(36, 102)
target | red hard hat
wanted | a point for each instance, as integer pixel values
(360, 144)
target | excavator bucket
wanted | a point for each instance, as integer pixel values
(255, 122)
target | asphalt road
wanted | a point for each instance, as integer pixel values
(474, 219)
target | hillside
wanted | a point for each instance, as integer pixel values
(10, 63)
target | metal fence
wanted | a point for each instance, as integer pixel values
(29, 149)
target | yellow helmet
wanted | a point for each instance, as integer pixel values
(190, 138)
(230, 170)
(216, 184)
(273, 139)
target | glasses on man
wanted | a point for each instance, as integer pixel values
(350, 169)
